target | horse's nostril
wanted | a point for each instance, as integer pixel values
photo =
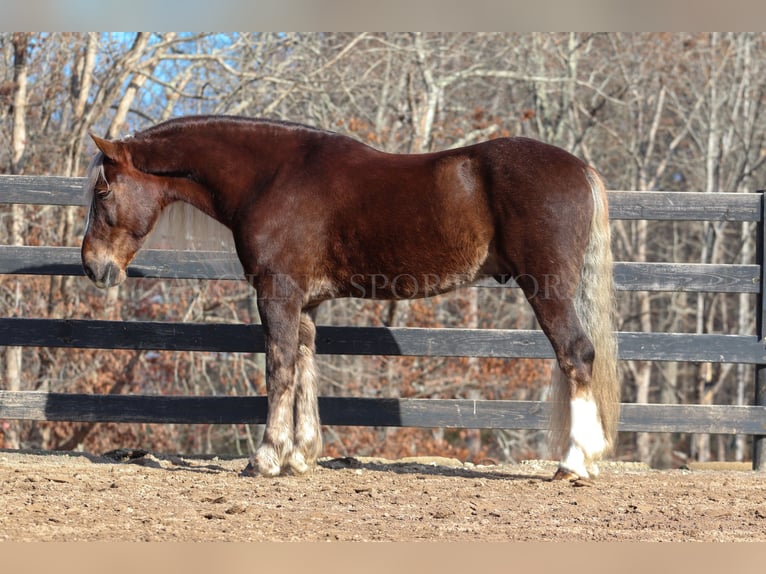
(89, 272)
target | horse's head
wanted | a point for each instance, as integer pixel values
(125, 204)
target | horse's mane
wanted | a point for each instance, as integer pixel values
(182, 226)
(174, 124)
(94, 171)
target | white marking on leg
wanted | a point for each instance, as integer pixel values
(308, 440)
(266, 461)
(586, 438)
(297, 462)
(586, 428)
(574, 461)
(277, 444)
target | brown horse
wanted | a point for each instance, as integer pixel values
(316, 215)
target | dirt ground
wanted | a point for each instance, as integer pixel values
(135, 496)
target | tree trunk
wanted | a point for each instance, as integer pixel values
(13, 355)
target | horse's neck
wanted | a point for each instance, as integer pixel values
(170, 161)
(196, 196)
(197, 176)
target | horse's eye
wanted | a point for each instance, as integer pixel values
(103, 193)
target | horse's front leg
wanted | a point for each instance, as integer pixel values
(280, 316)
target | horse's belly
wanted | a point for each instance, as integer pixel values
(408, 278)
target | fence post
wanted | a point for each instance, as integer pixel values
(759, 441)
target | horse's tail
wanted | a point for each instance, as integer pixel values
(595, 306)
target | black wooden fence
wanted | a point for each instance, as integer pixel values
(676, 206)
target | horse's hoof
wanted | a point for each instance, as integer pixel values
(297, 464)
(256, 468)
(566, 474)
(249, 470)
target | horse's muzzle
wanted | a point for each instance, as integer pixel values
(105, 275)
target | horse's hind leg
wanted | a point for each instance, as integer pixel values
(308, 437)
(577, 431)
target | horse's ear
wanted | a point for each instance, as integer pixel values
(113, 149)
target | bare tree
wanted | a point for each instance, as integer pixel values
(20, 44)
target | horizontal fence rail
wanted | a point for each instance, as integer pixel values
(392, 341)
(42, 190)
(394, 412)
(168, 264)
(447, 342)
